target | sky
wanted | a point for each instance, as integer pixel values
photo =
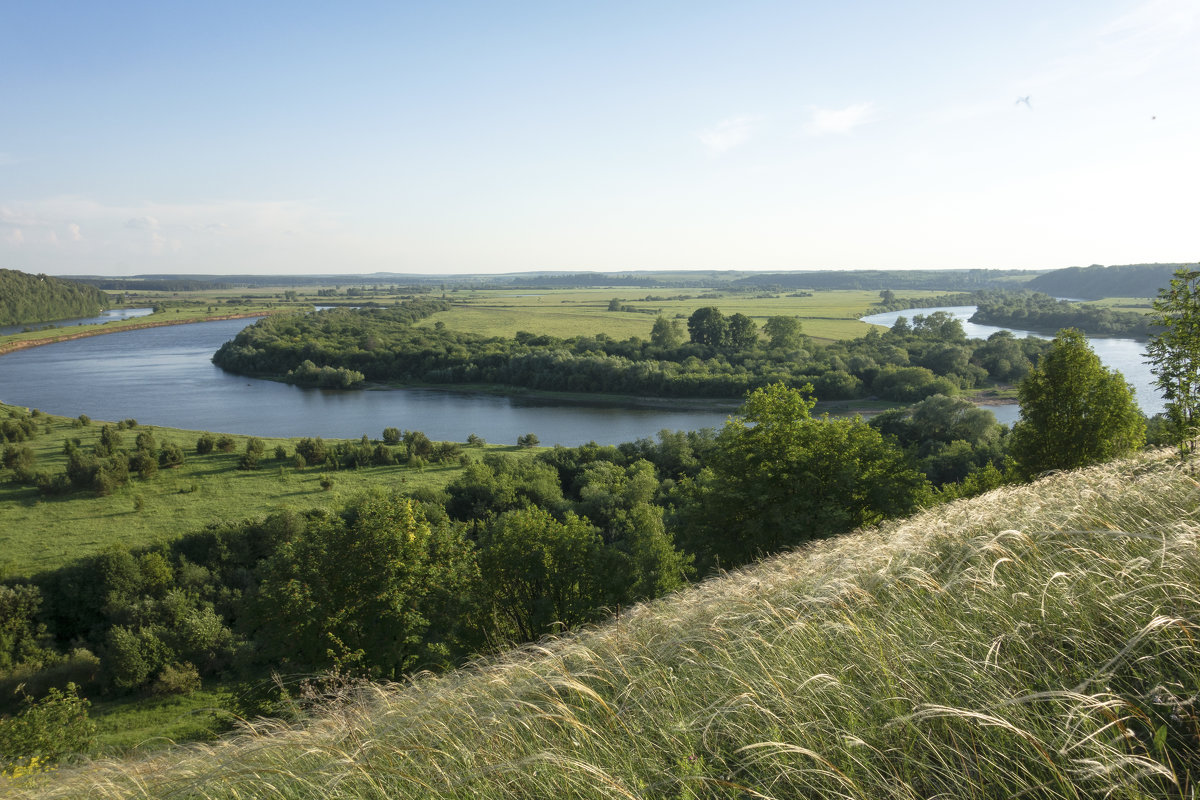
(489, 137)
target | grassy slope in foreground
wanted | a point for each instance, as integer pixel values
(1039, 641)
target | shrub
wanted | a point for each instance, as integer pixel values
(49, 729)
(225, 444)
(177, 679)
(528, 440)
(171, 455)
(205, 444)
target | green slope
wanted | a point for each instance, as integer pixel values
(1039, 641)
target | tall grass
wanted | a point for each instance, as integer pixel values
(1039, 641)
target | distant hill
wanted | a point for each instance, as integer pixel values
(1094, 282)
(26, 298)
(897, 279)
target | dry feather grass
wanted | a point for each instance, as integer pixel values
(1039, 641)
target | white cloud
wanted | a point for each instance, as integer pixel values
(143, 223)
(840, 120)
(727, 134)
(73, 232)
(14, 237)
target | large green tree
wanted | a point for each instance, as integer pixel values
(1175, 353)
(779, 477)
(380, 589)
(1074, 411)
(708, 326)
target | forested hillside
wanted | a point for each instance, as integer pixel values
(1095, 282)
(26, 298)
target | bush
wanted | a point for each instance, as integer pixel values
(205, 444)
(177, 679)
(391, 435)
(475, 440)
(225, 444)
(49, 729)
(528, 440)
(171, 455)
(280, 453)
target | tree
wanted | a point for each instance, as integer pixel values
(708, 326)
(784, 332)
(1074, 411)
(1174, 351)
(743, 333)
(379, 588)
(666, 333)
(778, 477)
(539, 572)
(528, 440)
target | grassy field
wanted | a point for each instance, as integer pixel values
(827, 315)
(1040, 641)
(38, 532)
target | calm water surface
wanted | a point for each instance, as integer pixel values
(107, 316)
(164, 376)
(1126, 355)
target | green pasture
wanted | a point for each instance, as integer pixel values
(828, 315)
(39, 532)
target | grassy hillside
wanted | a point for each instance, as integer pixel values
(1038, 641)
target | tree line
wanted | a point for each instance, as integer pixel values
(26, 298)
(1041, 312)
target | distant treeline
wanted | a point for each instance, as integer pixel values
(724, 358)
(156, 285)
(1040, 312)
(1095, 282)
(875, 280)
(26, 298)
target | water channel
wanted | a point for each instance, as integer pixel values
(164, 376)
(1126, 355)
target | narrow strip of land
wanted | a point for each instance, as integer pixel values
(134, 324)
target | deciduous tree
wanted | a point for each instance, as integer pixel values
(1174, 351)
(1074, 411)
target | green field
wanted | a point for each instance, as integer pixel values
(826, 315)
(39, 533)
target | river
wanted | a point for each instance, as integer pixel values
(1126, 355)
(112, 315)
(164, 376)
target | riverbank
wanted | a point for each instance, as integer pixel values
(14, 342)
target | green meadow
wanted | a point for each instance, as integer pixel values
(826, 315)
(43, 532)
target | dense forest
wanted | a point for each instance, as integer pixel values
(26, 298)
(1095, 282)
(718, 356)
(515, 547)
(1040, 312)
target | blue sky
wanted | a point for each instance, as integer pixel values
(458, 137)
